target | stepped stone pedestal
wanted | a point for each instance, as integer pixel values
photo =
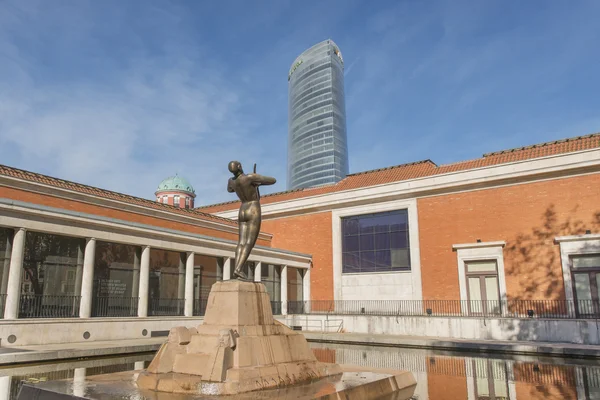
(239, 348)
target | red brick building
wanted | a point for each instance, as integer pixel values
(532, 214)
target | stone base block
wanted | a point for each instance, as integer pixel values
(239, 380)
(239, 348)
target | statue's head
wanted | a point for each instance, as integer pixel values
(235, 167)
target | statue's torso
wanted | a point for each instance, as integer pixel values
(243, 187)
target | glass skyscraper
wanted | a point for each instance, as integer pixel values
(317, 143)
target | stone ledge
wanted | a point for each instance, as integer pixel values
(483, 346)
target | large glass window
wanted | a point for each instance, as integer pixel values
(166, 288)
(376, 242)
(51, 279)
(482, 286)
(295, 290)
(271, 278)
(207, 271)
(116, 280)
(585, 272)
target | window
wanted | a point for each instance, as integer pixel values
(585, 271)
(376, 242)
(295, 291)
(271, 278)
(207, 271)
(481, 276)
(176, 201)
(491, 379)
(165, 200)
(6, 236)
(187, 202)
(159, 199)
(482, 286)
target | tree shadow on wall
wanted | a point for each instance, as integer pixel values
(535, 258)
(535, 265)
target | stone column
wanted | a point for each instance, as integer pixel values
(257, 272)
(227, 269)
(6, 266)
(79, 382)
(189, 285)
(87, 280)
(306, 289)
(144, 282)
(13, 290)
(5, 383)
(135, 284)
(284, 294)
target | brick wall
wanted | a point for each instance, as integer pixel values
(309, 234)
(528, 217)
(72, 205)
(446, 378)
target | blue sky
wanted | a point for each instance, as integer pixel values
(121, 94)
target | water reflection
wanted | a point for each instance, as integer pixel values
(458, 376)
(440, 375)
(12, 378)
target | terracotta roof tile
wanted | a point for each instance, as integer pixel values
(78, 187)
(424, 168)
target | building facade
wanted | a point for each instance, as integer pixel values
(514, 235)
(85, 264)
(317, 140)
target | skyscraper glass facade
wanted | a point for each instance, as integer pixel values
(317, 143)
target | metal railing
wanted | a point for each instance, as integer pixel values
(48, 306)
(165, 307)
(107, 306)
(200, 307)
(562, 309)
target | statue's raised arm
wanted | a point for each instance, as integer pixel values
(259, 180)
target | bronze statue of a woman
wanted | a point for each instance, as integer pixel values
(249, 218)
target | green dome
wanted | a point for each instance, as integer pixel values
(175, 183)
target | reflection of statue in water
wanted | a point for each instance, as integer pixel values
(249, 218)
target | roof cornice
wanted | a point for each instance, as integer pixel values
(516, 172)
(67, 194)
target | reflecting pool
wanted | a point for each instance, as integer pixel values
(458, 375)
(440, 375)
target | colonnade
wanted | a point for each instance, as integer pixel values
(85, 278)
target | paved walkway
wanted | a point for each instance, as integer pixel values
(54, 352)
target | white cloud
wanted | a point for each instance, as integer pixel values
(150, 118)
